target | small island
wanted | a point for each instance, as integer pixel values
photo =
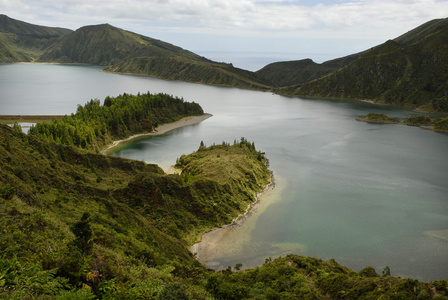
(438, 124)
(379, 118)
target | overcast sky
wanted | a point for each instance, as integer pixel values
(247, 33)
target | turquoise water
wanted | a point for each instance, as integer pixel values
(363, 194)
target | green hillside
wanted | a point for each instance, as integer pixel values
(123, 51)
(23, 42)
(409, 71)
(80, 225)
(297, 72)
(421, 31)
(134, 235)
(186, 69)
(106, 45)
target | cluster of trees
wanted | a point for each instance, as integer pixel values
(94, 124)
(298, 277)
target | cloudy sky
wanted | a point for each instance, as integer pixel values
(248, 33)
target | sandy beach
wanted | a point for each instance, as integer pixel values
(162, 129)
(209, 245)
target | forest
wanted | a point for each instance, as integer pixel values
(95, 125)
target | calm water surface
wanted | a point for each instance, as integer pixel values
(363, 194)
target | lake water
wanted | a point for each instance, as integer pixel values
(363, 194)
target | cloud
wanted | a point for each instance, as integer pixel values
(247, 15)
(247, 24)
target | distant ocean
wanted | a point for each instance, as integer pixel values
(256, 61)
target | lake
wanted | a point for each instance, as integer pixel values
(363, 194)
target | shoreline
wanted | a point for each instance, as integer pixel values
(217, 233)
(162, 129)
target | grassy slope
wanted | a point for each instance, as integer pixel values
(23, 42)
(289, 73)
(186, 69)
(107, 45)
(125, 51)
(409, 71)
(140, 217)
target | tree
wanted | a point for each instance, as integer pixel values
(17, 127)
(83, 233)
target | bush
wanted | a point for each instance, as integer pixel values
(7, 192)
(418, 120)
(81, 294)
(368, 272)
(174, 291)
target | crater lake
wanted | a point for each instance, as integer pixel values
(363, 194)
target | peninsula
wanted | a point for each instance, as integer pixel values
(77, 224)
(162, 129)
(438, 124)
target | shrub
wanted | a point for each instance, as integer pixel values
(174, 291)
(7, 192)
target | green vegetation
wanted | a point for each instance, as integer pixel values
(79, 225)
(95, 125)
(379, 118)
(418, 120)
(408, 71)
(11, 119)
(123, 51)
(106, 45)
(186, 69)
(75, 222)
(295, 277)
(439, 124)
(23, 42)
(289, 73)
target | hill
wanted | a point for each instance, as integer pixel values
(123, 51)
(300, 71)
(408, 71)
(80, 225)
(137, 223)
(24, 42)
(185, 69)
(106, 45)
